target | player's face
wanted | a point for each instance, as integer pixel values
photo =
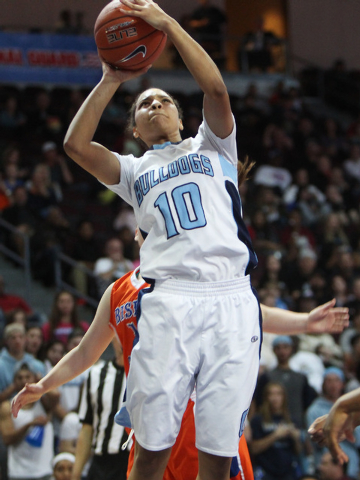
(156, 117)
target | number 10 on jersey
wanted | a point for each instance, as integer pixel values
(185, 205)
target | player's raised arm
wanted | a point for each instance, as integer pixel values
(78, 143)
(92, 345)
(217, 108)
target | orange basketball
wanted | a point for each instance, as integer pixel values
(125, 42)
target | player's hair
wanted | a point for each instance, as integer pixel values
(265, 407)
(131, 121)
(243, 169)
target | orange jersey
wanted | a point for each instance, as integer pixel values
(183, 462)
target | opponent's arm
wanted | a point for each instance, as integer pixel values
(338, 425)
(92, 345)
(217, 108)
(78, 144)
(325, 318)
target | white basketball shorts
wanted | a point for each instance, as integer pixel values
(202, 334)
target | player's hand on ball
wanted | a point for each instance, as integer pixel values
(148, 11)
(117, 75)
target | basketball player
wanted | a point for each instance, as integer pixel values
(200, 319)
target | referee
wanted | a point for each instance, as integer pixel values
(100, 435)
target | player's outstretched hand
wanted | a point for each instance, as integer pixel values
(148, 11)
(328, 318)
(29, 394)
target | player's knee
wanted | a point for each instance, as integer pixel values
(213, 466)
(147, 462)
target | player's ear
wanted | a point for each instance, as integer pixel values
(181, 126)
(135, 133)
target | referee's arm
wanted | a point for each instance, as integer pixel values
(83, 450)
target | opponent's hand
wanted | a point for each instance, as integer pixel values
(148, 11)
(327, 318)
(29, 394)
(329, 430)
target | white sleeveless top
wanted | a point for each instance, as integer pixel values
(24, 460)
(187, 205)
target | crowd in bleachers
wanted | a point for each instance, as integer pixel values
(301, 206)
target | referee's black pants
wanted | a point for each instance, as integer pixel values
(109, 466)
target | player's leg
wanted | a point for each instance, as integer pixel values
(213, 467)
(148, 464)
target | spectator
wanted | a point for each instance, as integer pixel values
(299, 393)
(60, 173)
(329, 469)
(43, 122)
(55, 350)
(11, 179)
(11, 356)
(63, 318)
(205, 25)
(113, 266)
(353, 303)
(64, 25)
(333, 386)
(255, 53)
(34, 340)
(29, 436)
(17, 316)
(9, 302)
(42, 193)
(62, 465)
(85, 249)
(21, 216)
(308, 363)
(12, 119)
(69, 392)
(275, 443)
(69, 432)
(297, 276)
(352, 165)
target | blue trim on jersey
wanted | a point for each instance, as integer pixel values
(228, 169)
(140, 296)
(160, 146)
(143, 233)
(243, 233)
(260, 319)
(234, 468)
(122, 418)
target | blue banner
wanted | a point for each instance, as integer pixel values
(46, 58)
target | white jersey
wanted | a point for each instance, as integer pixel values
(187, 205)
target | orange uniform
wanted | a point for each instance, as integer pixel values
(183, 462)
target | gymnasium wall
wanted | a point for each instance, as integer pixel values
(323, 30)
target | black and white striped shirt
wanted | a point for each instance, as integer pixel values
(101, 398)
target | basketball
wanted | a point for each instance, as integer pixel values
(126, 42)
